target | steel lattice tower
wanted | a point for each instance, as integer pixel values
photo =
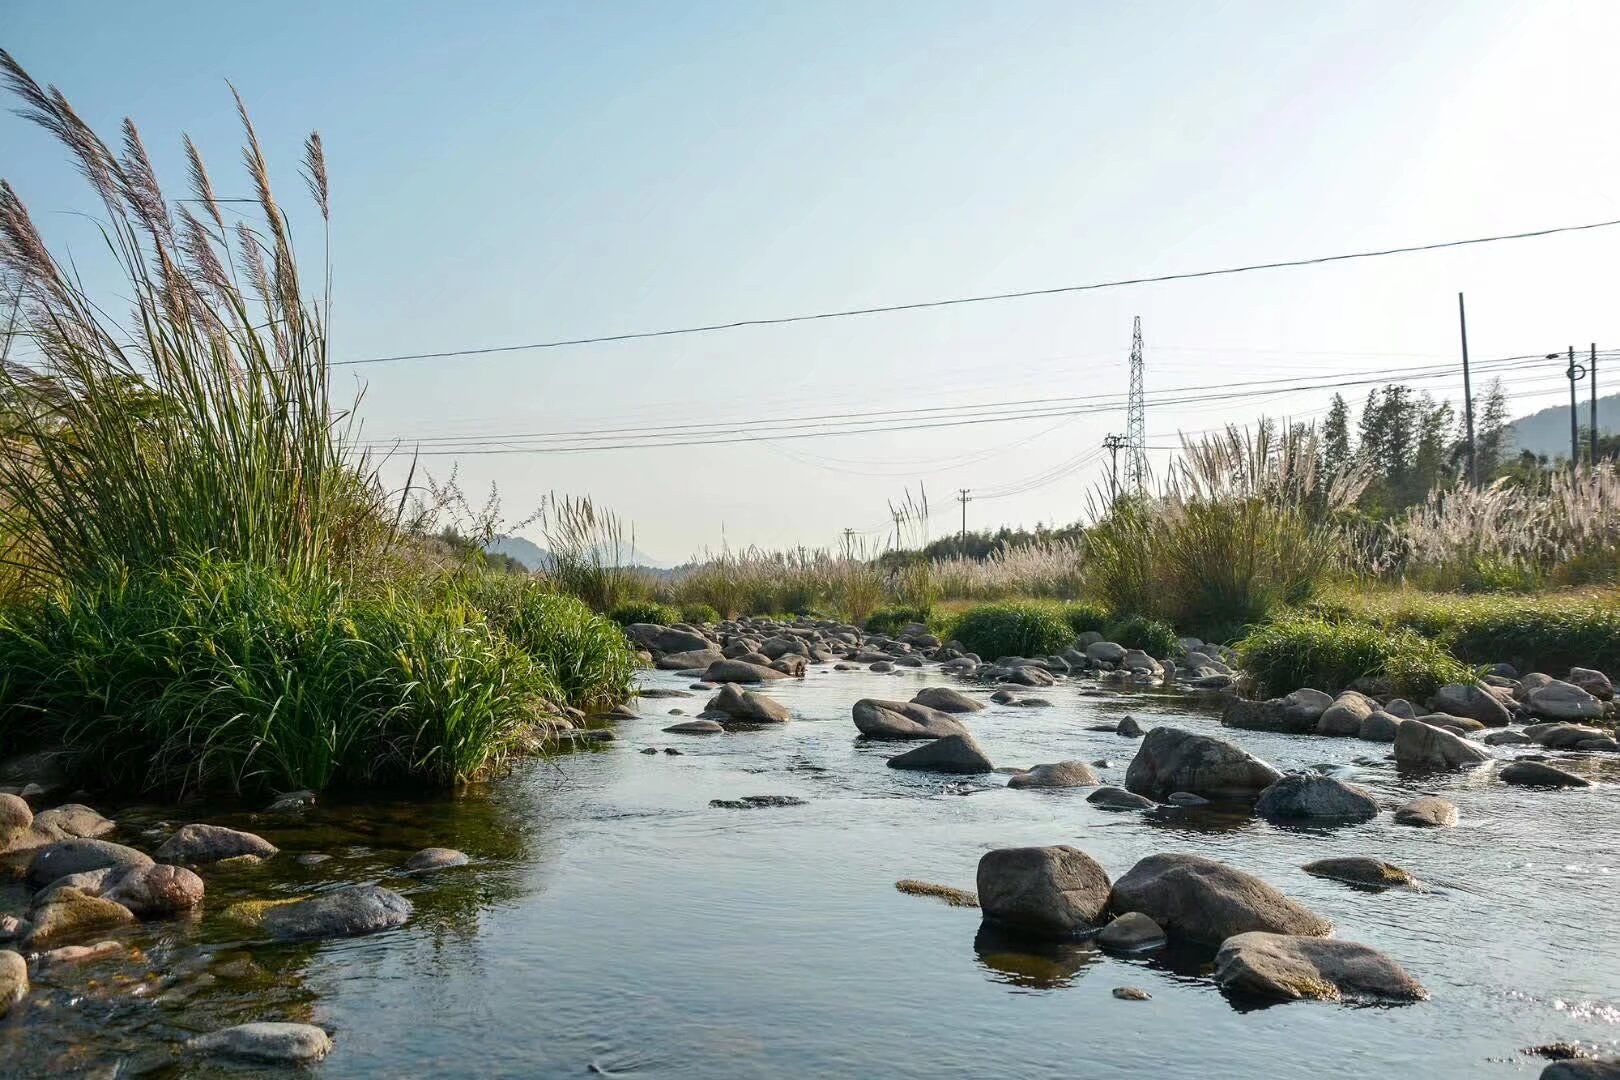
(1136, 420)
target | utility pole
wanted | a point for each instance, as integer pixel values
(1468, 392)
(1591, 373)
(849, 542)
(1136, 418)
(1112, 444)
(1575, 372)
(964, 498)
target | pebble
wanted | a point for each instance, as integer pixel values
(1132, 993)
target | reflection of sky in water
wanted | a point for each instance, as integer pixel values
(614, 920)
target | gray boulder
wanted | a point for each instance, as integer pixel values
(1472, 701)
(1583, 1069)
(1307, 703)
(1592, 681)
(1171, 760)
(1345, 716)
(1051, 892)
(346, 912)
(1129, 728)
(265, 1044)
(1113, 798)
(696, 727)
(1202, 900)
(1107, 651)
(430, 860)
(1379, 726)
(879, 719)
(155, 890)
(1360, 870)
(946, 700)
(1312, 795)
(1506, 737)
(747, 707)
(1427, 812)
(1290, 968)
(1539, 774)
(1132, 932)
(212, 843)
(691, 660)
(1563, 701)
(950, 754)
(740, 671)
(1423, 746)
(666, 639)
(1563, 736)
(66, 857)
(1059, 774)
(1272, 715)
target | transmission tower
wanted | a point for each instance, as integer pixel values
(1136, 420)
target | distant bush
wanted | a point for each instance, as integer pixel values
(644, 611)
(1083, 616)
(1013, 629)
(1139, 632)
(699, 614)
(889, 620)
(1301, 649)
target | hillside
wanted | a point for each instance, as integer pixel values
(535, 557)
(1547, 432)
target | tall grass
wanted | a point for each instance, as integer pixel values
(589, 553)
(1054, 570)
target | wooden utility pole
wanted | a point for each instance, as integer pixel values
(964, 498)
(1468, 391)
(1112, 444)
(1591, 373)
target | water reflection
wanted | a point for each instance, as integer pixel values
(1029, 963)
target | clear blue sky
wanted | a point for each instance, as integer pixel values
(507, 172)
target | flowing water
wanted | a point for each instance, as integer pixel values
(614, 923)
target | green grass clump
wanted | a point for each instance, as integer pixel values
(699, 614)
(208, 676)
(1013, 629)
(1083, 616)
(1301, 649)
(1152, 636)
(644, 611)
(890, 620)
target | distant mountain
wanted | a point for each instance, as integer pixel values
(1547, 432)
(535, 557)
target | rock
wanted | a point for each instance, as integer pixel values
(756, 802)
(265, 1043)
(746, 707)
(882, 667)
(1472, 701)
(346, 912)
(696, 727)
(1132, 932)
(1422, 746)
(1106, 651)
(951, 754)
(431, 859)
(291, 802)
(73, 821)
(1427, 812)
(1593, 682)
(1050, 892)
(1171, 760)
(1506, 737)
(1291, 968)
(1588, 1069)
(946, 700)
(155, 891)
(1186, 798)
(1360, 870)
(66, 857)
(212, 843)
(15, 819)
(666, 639)
(78, 954)
(1202, 900)
(69, 911)
(1379, 726)
(1129, 728)
(1563, 701)
(1457, 725)
(1113, 798)
(1029, 675)
(1059, 774)
(1138, 660)
(686, 661)
(1346, 715)
(1307, 703)
(12, 928)
(1538, 774)
(878, 719)
(790, 664)
(312, 858)
(1132, 993)
(740, 671)
(13, 980)
(1312, 795)
(1559, 736)
(953, 897)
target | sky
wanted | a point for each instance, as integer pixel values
(515, 172)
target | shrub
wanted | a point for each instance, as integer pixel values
(1083, 616)
(644, 611)
(1013, 629)
(699, 614)
(1301, 649)
(1138, 632)
(889, 620)
(210, 676)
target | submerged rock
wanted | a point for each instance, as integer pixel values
(265, 1043)
(1172, 760)
(69, 911)
(1113, 798)
(1051, 892)
(756, 802)
(1058, 774)
(945, 699)
(431, 859)
(13, 980)
(951, 754)
(1539, 774)
(953, 897)
(1290, 968)
(1202, 900)
(1132, 932)
(1132, 993)
(1360, 870)
(879, 719)
(1312, 795)
(1427, 812)
(212, 843)
(291, 802)
(696, 727)
(347, 912)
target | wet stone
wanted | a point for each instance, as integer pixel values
(346, 912)
(432, 859)
(212, 843)
(265, 1043)
(756, 802)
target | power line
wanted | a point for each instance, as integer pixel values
(920, 305)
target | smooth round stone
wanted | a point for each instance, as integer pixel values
(266, 1043)
(431, 859)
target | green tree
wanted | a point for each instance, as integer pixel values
(1336, 436)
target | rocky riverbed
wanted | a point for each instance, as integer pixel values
(721, 900)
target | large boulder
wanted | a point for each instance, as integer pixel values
(1379, 726)
(1171, 760)
(1312, 795)
(1202, 900)
(265, 1043)
(740, 671)
(73, 821)
(1050, 892)
(1583, 1069)
(879, 719)
(1564, 736)
(951, 754)
(1107, 651)
(1473, 701)
(68, 911)
(1057, 774)
(66, 857)
(1540, 774)
(1563, 701)
(1345, 716)
(13, 980)
(1290, 968)
(691, 660)
(944, 699)
(667, 639)
(1423, 746)
(346, 912)
(212, 843)
(155, 891)
(1594, 682)
(746, 707)
(15, 819)
(1277, 714)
